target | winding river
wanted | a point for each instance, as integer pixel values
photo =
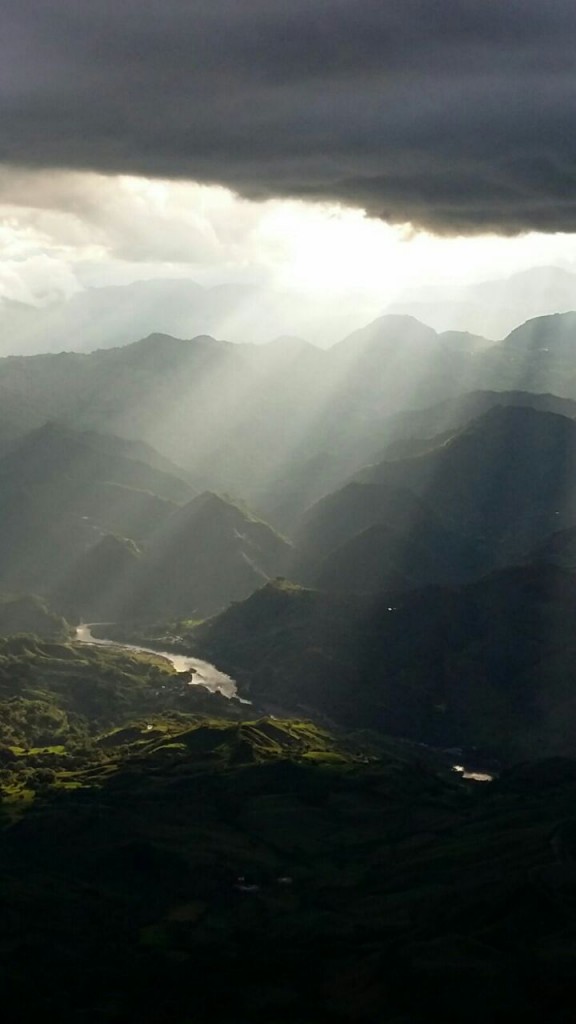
(207, 675)
(203, 673)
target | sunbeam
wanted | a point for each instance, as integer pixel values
(287, 512)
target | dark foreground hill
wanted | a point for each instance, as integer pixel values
(487, 665)
(163, 864)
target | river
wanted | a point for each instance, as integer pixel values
(203, 673)
(475, 776)
(211, 678)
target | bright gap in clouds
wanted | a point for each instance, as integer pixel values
(330, 248)
(329, 269)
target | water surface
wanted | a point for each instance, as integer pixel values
(203, 673)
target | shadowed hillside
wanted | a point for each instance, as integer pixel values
(61, 491)
(480, 498)
(487, 665)
(201, 556)
(332, 876)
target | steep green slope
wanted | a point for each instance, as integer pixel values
(486, 665)
(56, 694)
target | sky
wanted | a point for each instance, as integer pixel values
(340, 151)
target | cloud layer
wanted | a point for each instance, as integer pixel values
(455, 115)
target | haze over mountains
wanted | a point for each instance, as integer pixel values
(183, 474)
(377, 543)
(492, 308)
(259, 421)
(287, 512)
(108, 316)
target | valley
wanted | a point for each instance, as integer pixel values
(287, 678)
(287, 512)
(200, 673)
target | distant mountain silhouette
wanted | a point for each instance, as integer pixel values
(492, 308)
(368, 536)
(282, 425)
(453, 413)
(113, 315)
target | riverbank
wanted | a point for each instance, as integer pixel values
(202, 673)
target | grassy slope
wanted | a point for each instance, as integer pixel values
(133, 894)
(160, 862)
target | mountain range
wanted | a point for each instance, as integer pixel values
(491, 308)
(365, 496)
(248, 420)
(116, 315)
(171, 478)
(377, 544)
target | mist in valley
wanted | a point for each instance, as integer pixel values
(287, 512)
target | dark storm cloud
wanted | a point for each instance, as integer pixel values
(454, 114)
